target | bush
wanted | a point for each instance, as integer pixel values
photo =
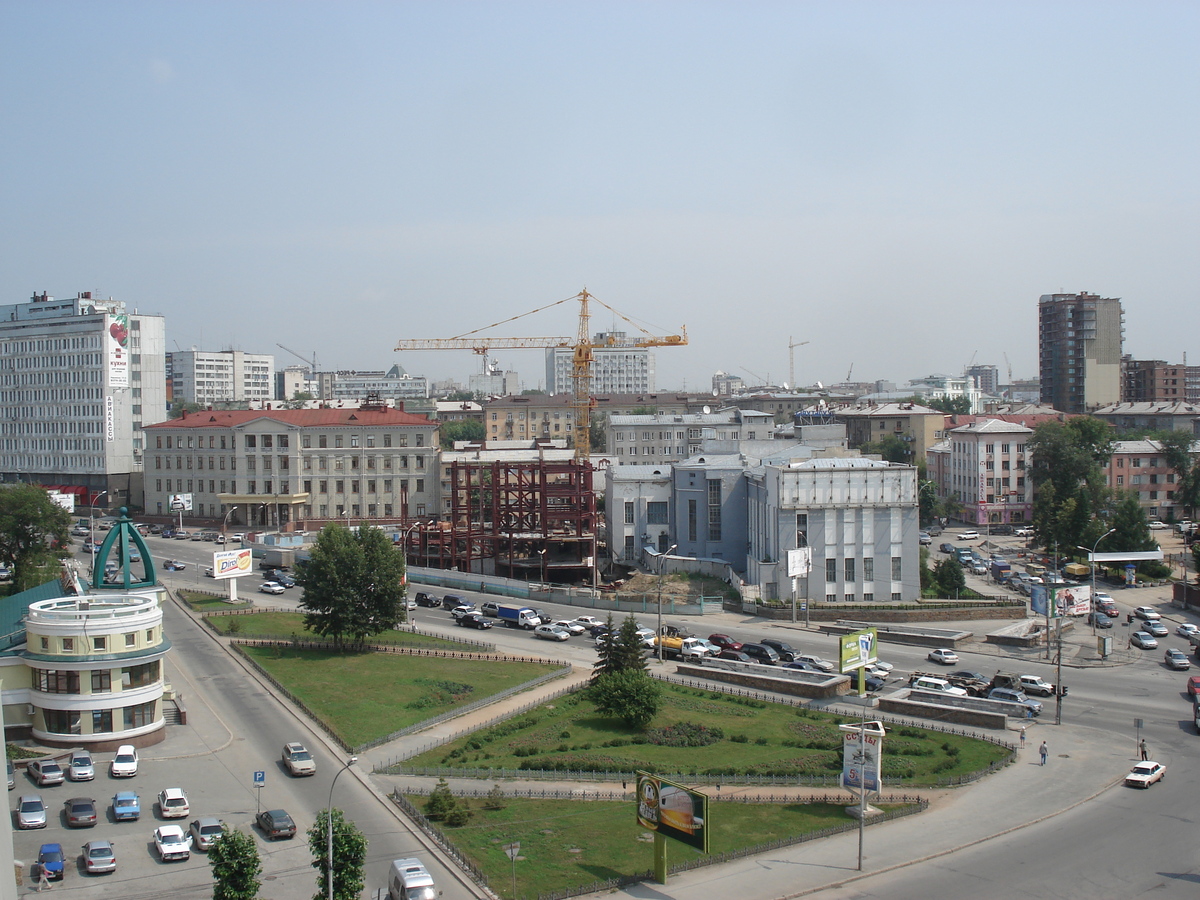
(495, 798)
(684, 734)
(458, 817)
(440, 803)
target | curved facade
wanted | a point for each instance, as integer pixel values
(96, 670)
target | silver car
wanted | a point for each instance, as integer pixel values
(206, 831)
(81, 767)
(31, 812)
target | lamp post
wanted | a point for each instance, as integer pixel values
(662, 558)
(92, 523)
(542, 554)
(329, 821)
(407, 531)
(1092, 560)
(225, 522)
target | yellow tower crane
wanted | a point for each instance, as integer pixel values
(581, 360)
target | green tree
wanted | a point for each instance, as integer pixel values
(889, 447)
(952, 406)
(353, 584)
(927, 502)
(235, 866)
(465, 430)
(606, 650)
(948, 577)
(630, 695)
(461, 396)
(1196, 560)
(31, 528)
(926, 572)
(1066, 460)
(533, 392)
(629, 654)
(440, 803)
(349, 856)
(179, 407)
(1131, 530)
(598, 432)
(1183, 455)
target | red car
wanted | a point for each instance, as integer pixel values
(725, 642)
(1193, 686)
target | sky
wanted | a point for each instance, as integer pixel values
(895, 183)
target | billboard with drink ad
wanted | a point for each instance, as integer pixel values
(232, 563)
(857, 649)
(672, 810)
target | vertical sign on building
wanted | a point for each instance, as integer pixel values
(117, 340)
(110, 429)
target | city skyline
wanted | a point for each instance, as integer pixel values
(895, 184)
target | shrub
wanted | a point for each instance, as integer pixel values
(441, 802)
(684, 734)
(458, 817)
(495, 798)
(739, 738)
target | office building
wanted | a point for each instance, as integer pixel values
(78, 380)
(1155, 380)
(1079, 351)
(353, 386)
(617, 366)
(211, 377)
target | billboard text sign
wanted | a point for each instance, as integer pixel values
(673, 810)
(857, 649)
(862, 758)
(232, 563)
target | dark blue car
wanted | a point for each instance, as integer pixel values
(52, 861)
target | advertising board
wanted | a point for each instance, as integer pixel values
(117, 342)
(862, 758)
(799, 562)
(181, 503)
(232, 563)
(857, 649)
(672, 810)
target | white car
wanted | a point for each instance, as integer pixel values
(271, 587)
(943, 656)
(1023, 532)
(569, 626)
(1158, 526)
(1147, 613)
(1187, 629)
(551, 633)
(125, 763)
(588, 621)
(816, 662)
(172, 843)
(173, 803)
(1145, 774)
(1033, 684)
(81, 768)
(968, 535)
(884, 666)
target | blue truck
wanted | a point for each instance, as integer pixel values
(518, 617)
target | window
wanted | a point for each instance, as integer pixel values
(868, 596)
(131, 639)
(656, 513)
(692, 520)
(322, 441)
(100, 642)
(101, 721)
(68, 644)
(801, 530)
(849, 570)
(831, 570)
(338, 441)
(628, 512)
(139, 716)
(306, 441)
(140, 676)
(101, 681)
(387, 440)
(897, 568)
(629, 551)
(714, 510)
(868, 568)
(251, 441)
(420, 485)
(54, 681)
(62, 721)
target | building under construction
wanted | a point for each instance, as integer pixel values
(529, 519)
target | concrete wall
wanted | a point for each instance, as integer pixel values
(815, 686)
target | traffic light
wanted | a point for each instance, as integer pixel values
(1062, 691)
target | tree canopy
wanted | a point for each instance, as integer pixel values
(349, 856)
(954, 406)
(235, 866)
(630, 695)
(33, 531)
(1066, 467)
(353, 584)
(465, 430)
(891, 448)
(1177, 448)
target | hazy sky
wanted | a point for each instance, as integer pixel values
(895, 182)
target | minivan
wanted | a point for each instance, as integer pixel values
(761, 653)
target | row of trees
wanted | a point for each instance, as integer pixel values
(236, 865)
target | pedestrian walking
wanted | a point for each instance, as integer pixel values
(1144, 749)
(1044, 751)
(1022, 737)
(43, 879)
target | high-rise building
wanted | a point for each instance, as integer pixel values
(1155, 380)
(1079, 351)
(358, 385)
(987, 378)
(617, 368)
(78, 380)
(221, 376)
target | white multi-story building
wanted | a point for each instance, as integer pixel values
(394, 384)
(78, 380)
(616, 369)
(221, 376)
(985, 466)
(655, 439)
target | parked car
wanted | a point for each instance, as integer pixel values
(1176, 659)
(1010, 695)
(1158, 526)
(1144, 640)
(734, 655)
(725, 642)
(180, 535)
(206, 831)
(173, 803)
(968, 535)
(801, 666)
(943, 656)
(126, 807)
(276, 824)
(99, 857)
(1156, 628)
(474, 620)
(297, 759)
(12, 775)
(125, 763)
(271, 587)
(52, 861)
(821, 665)
(45, 772)
(924, 538)
(1147, 613)
(80, 812)
(31, 812)
(785, 650)
(1023, 532)
(172, 843)
(978, 567)
(1002, 529)
(550, 633)
(761, 653)
(1145, 774)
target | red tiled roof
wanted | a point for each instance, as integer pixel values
(303, 418)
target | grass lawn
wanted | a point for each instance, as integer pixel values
(287, 624)
(202, 601)
(755, 738)
(573, 844)
(363, 696)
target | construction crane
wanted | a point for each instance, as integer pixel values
(792, 345)
(312, 363)
(581, 360)
(762, 382)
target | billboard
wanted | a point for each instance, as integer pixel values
(672, 810)
(116, 349)
(857, 649)
(181, 503)
(799, 562)
(1072, 600)
(232, 563)
(862, 758)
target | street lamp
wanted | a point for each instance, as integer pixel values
(662, 558)
(329, 821)
(225, 522)
(92, 523)
(1092, 560)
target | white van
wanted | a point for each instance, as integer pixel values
(408, 879)
(938, 685)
